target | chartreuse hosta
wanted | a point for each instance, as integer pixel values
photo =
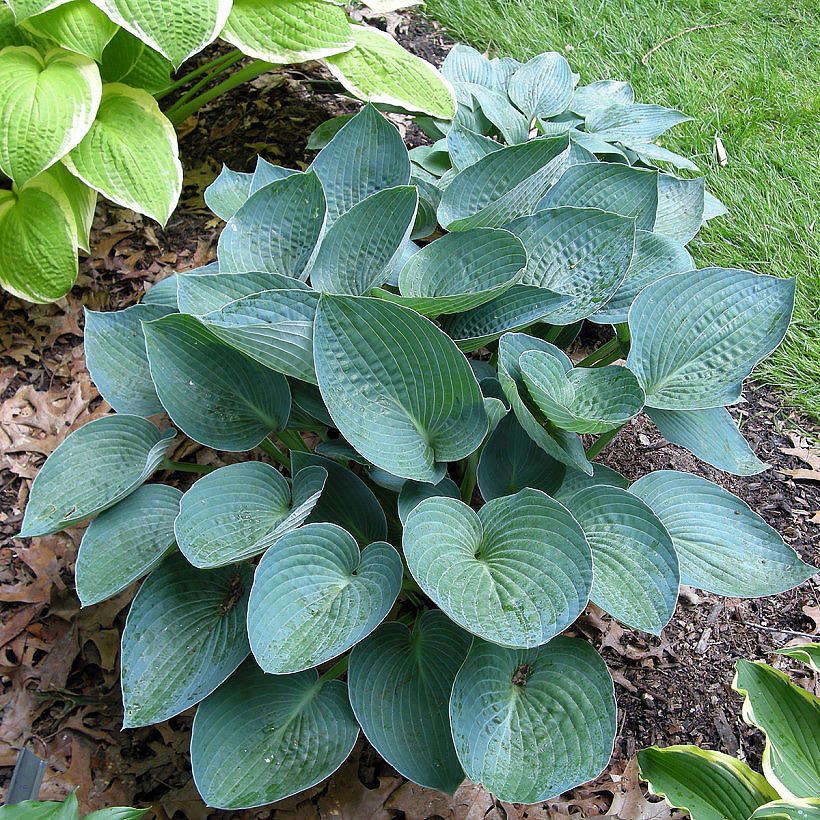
(80, 83)
(414, 574)
(715, 786)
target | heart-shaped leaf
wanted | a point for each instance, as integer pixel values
(543, 86)
(414, 492)
(368, 352)
(125, 542)
(575, 481)
(400, 682)
(531, 724)
(315, 595)
(78, 26)
(179, 606)
(265, 173)
(245, 734)
(464, 64)
(228, 192)
(516, 573)
(203, 292)
(238, 511)
(723, 546)
(118, 452)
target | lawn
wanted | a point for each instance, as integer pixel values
(753, 79)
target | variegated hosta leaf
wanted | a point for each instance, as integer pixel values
(795, 808)
(510, 463)
(218, 396)
(373, 354)
(316, 594)
(48, 103)
(23, 9)
(130, 154)
(120, 56)
(636, 576)
(151, 72)
(723, 546)
(633, 122)
(400, 682)
(240, 510)
(543, 86)
(81, 198)
(200, 292)
(581, 399)
(575, 481)
(228, 192)
(260, 738)
(94, 468)
(377, 69)
(78, 26)
(288, 31)
(725, 322)
(531, 724)
(413, 493)
(199, 611)
(807, 652)
(680, 207)
(125, 542)
(584, 253)
(516, 573)
(10, 33)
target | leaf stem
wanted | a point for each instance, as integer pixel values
(274, 452)
(336, 671)
(602, 441)
(191, 92)
(623, 336)
(468, 481)
(186, 466)
(613, 345)
(210, 66)
(293, 441)
(553, 333)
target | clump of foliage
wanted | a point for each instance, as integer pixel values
(715, 786)
(448, 525)
(79, 90)
(67, 810)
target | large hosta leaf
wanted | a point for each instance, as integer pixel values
(464, 64)
(370, 353)
(78, 26)
(201, 612)
(201, 291)
(125, 542)
(81, 198)
(228, 192)
(238, 511)
(680, 207)
(636, 575)
(575, 481)
(94, 468)
(120, 56)
(400, 682)
(516, 573)
(266, 172)
(218, 396)
(288, 31)
(543, 86)
(633, 122)
(466, 147)
(175, 29)
(723, 546)
(725, 322)
(130, 154)
(413, 493)
(797, 808)
(48, 104)
(379, 70)
(315, 595)
(496, 107)
(531, 724)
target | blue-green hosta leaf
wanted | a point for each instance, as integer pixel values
(206, 292)
(175, 29)
(316, 595)
(516, 573)
(78, 26)
(377, 69)
(651, 153)
(497, 108)
(610, 186)
(531, 724)
(543, 86)
(597, 147)
(708, 785)
(163, 293)
(636, 576)
(238, 511)
(680, 207)
(797, 808)
(48, 103)
(711, 435)
(503, 68)
(94, 468)
(434, 159)
(306, 400)
(463, 64)
(228, 192)
(466, 147)
(601, 94)
(723, 546)
(116, 358)
(633, 122)
(725, 322)
(277, 229)
(562, 445)
(575, 481)
(584, 253)
(425, 223)
(807, 652)
(414, 492)
(357, 250)
(396, 387)
(655, 256)
(365, 156)
(509, 463)
(400, 682)
(287, 31)
(503, 185)
(790, 718)
(259, 738)
(265, 173)
(125, 542)
(712, 207)
(130, 154)
(219, 397)
(581, 399)
(196, 623)
(346, 500)
(325, 131)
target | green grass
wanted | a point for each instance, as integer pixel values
(755, 81)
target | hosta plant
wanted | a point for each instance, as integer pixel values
(79, 90)
(67, 810)
(715, 786)
(411, 566)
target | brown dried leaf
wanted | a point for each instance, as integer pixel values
(629, 802)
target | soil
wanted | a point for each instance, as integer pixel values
(59, 689)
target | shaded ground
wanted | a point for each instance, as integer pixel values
(59, 689)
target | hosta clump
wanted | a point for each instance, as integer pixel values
(448, 525)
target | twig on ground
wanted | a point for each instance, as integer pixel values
(780, 629)
(645, 58)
